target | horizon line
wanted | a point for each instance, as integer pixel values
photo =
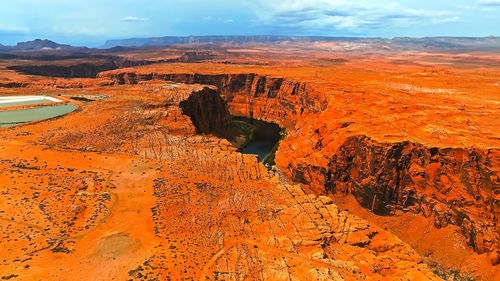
(259, 35)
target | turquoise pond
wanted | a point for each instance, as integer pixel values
(16, 117)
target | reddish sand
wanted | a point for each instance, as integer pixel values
(123, 188)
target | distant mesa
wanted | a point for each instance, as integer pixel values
(397, 43)
(39, 45)
(434, 43)
(168, 40)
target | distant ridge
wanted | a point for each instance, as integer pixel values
(238, 39)
(435, 43)
(40, 45)
(449, 44)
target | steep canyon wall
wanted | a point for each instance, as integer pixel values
(273, 99)
(458, 186)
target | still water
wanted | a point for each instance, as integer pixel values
(264, 141)
(20, 116)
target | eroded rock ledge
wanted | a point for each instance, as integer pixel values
(81, 70)
(456, 186)
(453, 185)
(89, 66)
(273, 99)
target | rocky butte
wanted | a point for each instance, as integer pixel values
(388, 167)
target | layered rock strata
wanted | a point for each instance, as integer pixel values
(456, 186)
(273, 99)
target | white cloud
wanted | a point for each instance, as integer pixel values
(489, 2)
(329, 15)
(134, 19)
(13, 29)
(445, 20)
(466, 7)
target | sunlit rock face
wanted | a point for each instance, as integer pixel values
(141, 180)
(278, 100)
(448, 184)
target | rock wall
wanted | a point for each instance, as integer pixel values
(88, 68)
(273, 99)
(80, 70)
(458, 186)
(453, 185)
(207, 110)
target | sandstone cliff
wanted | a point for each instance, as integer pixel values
(273, 99)
(456, 186)
(207, 110)
(453, 185)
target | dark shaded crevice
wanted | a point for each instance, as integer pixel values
(80, 70)
(263, 139)
(208, 112)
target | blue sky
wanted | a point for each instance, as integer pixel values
(91, 22)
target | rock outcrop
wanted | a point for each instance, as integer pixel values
(80, 70)
(83, 66)
(453, 185)
(274, 99)
(207, 110)
(456, 186)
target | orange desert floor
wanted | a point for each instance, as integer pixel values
(389, 170)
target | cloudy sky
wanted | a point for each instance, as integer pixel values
(91, 22)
